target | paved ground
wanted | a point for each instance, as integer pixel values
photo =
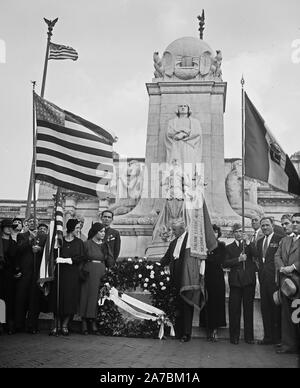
(75, 351)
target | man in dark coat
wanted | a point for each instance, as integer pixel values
(287, 262)
(174, 258)
(30, 250)
(266, 249)
(242, 280)
(112, 236)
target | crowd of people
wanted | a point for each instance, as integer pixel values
(274, 253)
(271, 251)
(78, 273)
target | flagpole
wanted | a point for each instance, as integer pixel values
(51, 25)
(243, 163)
(34, 153)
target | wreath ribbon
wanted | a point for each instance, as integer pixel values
(128, 304)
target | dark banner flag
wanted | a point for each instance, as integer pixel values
(264, 158)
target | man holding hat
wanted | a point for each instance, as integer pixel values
(242, 280)
(287, 261)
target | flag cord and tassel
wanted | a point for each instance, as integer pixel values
(51, 25)
(243, 166)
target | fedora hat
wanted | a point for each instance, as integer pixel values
(290, 286)
(277, 297)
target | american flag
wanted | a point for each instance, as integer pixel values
(58, 51)
(71, 152)
(54, 241)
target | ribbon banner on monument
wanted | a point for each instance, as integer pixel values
(129, 304)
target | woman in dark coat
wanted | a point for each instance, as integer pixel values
(98, 259)
(8, 251)
(213, 315)
(70, 256)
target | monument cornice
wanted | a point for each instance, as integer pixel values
(190, 87)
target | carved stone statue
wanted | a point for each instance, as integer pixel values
(215, 69)
(129, 183)
(183, 138)
(159, 73)
(234, 192)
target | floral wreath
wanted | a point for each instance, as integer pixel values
(127, 275)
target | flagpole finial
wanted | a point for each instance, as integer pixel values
(51, 24)
(201, 24)
(242, 80)
(33, 85)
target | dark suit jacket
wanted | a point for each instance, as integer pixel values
(113, 239)
(175, 265)
(266, 270)
(25, 255)
(238, 276)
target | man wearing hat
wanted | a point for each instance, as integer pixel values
(266, 249)
(287, 261)
(242, 280)
(30, 250)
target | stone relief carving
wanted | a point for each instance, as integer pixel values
(233, 185)
(204, 67)
(127, 186)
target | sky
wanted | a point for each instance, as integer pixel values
(115, 40)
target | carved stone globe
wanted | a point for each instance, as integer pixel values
(187, 57)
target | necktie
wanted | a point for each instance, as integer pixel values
(265, 247)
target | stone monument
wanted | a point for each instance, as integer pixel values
(187, 76)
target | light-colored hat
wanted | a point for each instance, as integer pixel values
(289, 287)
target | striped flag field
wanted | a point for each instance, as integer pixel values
(71, 152)
(58, 51)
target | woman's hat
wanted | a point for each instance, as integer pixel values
(6, 223)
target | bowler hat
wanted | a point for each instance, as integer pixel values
(289, 286)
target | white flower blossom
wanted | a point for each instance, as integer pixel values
(150, 266)
(152, 276)
(145, 285)
(153, 285)
(136, 266)
(162, 272)
(161, 283)
(168, 279)
(147, 280)
(140, 275)
(163, 288)
(157, 263)
(129, 259)
(140, 260)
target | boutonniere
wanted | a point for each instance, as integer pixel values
(274, 245)
(110, 238)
